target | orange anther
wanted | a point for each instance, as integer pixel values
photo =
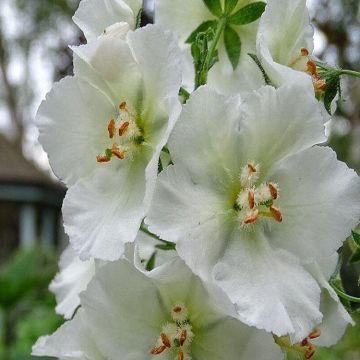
(251, 199)
(305, 342)
(123, 105)
(177, 309)
(117, 152)
(102, 159)
(251, 168)
(165, 340)
(180, 355)
(310, 352)
(252, 218)
(276, 213)
(320, 85)
(183, 337)
(158, 350)
(304, 52)
(111, 128)
(123, 128)
(273, 191)
(311, 68)
(315, 334)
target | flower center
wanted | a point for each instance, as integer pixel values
(124, 136)
(255, 201)
(304, 63)
(305, 348)
(176, 336)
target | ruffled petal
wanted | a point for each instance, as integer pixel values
(72, 279)
(71, 121)
(320, 202)
(94, 16)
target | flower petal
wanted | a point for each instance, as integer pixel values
(277, 123)
(70, 121)
(72, 279)
(320, 202)
(94, 16)
(104, 211)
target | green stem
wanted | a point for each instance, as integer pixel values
(350, 73)
(202, 80)
(344, 295)
(147, 232)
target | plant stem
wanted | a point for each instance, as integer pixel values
(202, 79)
(350, 73)
(344, 295)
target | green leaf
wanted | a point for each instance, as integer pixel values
(356, 238)
(258, 63)
(166, 247)
(355, 257)
(248, 13)
(150, 265)
(230, 6)
(332, 88)
(139, 18)
(232, 45)
(214, 6)
(204, 27)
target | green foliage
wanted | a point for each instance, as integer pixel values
(214, 6)
(248, 14)
(202, 28)
(26, 305)
(150, 265)
(356, 238)
(230, 6)
(232, 45)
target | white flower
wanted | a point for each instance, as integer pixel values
(72, 279)
(183, 17)
(251, 245)
(285, 43)
(104, 129)
(97, 17)
(167, 315)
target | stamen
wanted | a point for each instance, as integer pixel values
(123, 128)
(123, 105)
(111, 128)
(251, 199)
(117, 152)
(180, 355)
(183, 337)
(311, 68)
(158, 350)
(252, 217)
(251, 168)
(177, 309)
(102, 159)
(320, 85)
(276, 213)
(304, 52)
(315, 334)
(311, 351)
(165, 340)
(273, 191)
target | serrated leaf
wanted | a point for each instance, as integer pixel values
(332, 88)
(214, 6)
(230, 6)
(248, 14)
(232, 45)
(150, 265)
(205, 26)
(355, 257)
(356, 238)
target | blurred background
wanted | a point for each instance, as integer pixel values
(34, 52)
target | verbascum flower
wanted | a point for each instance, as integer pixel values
(250, 197)
(104, 129)
(168, 314)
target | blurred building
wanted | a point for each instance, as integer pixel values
(30, 203)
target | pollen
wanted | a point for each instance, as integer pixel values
(123, 128)
(102, 159)
(273, 191)
(117, 152)
(276, 213)
(252, 217)
(111, 128)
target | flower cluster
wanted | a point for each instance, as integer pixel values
(204, 214)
